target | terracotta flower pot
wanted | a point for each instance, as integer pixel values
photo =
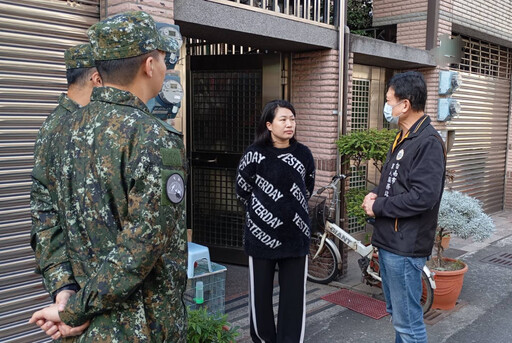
(448, 286)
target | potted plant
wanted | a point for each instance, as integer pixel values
(205, 328)
(460, 215)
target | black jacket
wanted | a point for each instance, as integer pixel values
(409, 192)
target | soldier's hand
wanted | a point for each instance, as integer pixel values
(48, 326)
(50, 313)
(65, 330)
(46, 319)
(62, 298)
(68, 331)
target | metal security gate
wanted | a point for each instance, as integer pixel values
(479, 152)
(225, 104)
(33, 36)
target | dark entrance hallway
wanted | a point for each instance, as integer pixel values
(224, 105)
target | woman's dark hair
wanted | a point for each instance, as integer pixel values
(263, 136)
(411, 86)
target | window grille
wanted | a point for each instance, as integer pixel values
(226, 105)
(484, 58)
(360, 104)
(226, 108)
(218, 217)
(359, 122)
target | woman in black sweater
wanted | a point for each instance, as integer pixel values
(275, 178)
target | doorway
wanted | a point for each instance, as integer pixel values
(225, 103)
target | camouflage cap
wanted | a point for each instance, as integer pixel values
(126, 35)
(79, 56)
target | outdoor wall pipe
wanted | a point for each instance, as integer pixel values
(432, 24)
(104, 6)
(342, 89)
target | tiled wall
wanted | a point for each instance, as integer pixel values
(315, 97)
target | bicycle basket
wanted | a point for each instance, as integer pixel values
(318, 213)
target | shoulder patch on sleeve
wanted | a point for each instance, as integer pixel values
(173, 186)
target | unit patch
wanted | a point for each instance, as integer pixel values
(175, 188)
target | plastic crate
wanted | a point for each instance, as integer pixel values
(214, 288)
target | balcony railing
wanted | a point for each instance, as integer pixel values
(321, 12)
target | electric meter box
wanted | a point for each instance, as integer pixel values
(168, 102)
(449, 82)
(171, 31)
(447, 109)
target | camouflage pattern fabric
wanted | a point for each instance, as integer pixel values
(126, 241)
(126, 35)
(79, 56)
(47, 237)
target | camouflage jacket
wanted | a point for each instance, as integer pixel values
(117, 175)
(47, 236)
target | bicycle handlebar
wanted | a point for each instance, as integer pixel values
(340, 176)
(320, 190)
(334, 181)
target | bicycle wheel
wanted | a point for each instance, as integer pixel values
(324, 268)
(427, 294)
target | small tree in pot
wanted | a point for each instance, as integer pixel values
(460, 215)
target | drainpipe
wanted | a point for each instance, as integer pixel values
(104, 7)
(343, 34)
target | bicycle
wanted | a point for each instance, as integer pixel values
(324, 260)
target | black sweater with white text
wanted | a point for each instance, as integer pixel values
(274, 185)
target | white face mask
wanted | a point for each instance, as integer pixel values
(388, 113)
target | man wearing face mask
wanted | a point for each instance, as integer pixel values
(406, 203)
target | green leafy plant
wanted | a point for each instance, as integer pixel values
(366, 146)
(460, 215)
(354, 198)
(359, 148)
(205, 328)
(359, 15)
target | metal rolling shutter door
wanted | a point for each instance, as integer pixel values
(33, 36)
(478, 155)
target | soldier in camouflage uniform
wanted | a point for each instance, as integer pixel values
(118, 178)
(51, 258)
